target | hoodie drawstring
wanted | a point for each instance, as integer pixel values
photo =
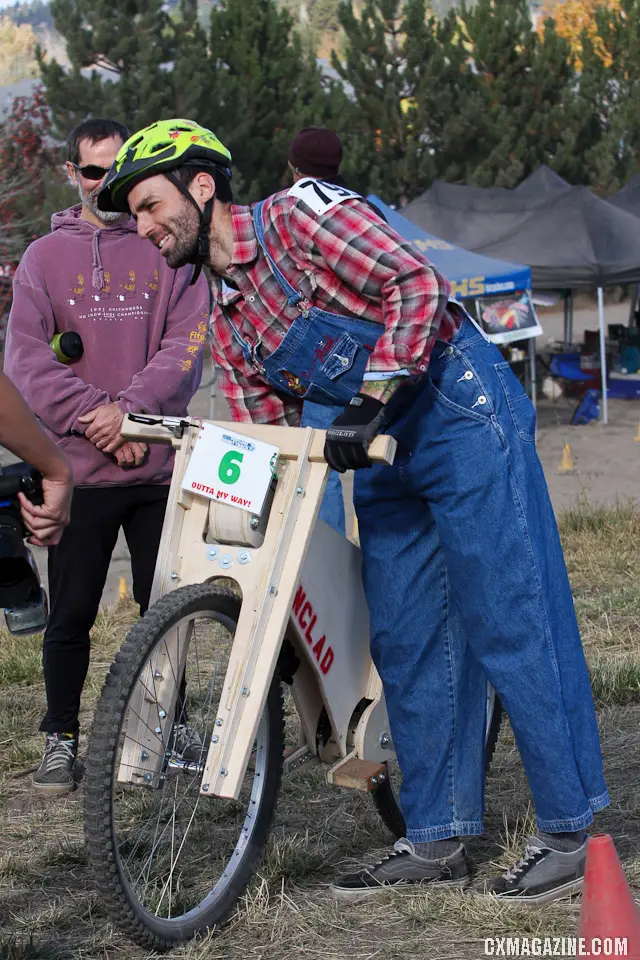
(98, 271)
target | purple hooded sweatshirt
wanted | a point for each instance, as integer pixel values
(142, 326)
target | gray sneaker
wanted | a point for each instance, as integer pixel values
(187, 743)
(56, 773)
(541, 876)
(402, 868)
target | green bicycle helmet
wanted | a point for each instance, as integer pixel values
(163, 147)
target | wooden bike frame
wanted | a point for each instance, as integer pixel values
(298, 579)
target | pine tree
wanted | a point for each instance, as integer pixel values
(250, 80)
(610, 84)
(192, 76)
(133, 41)
(582, 128)
(418, 107)
(317, 20)
(265, 86)
(528, 81)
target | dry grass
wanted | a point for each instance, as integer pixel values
(49, 912)
(601, 547)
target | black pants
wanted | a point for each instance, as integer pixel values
(78, 568)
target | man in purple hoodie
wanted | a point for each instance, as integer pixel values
(142, 327)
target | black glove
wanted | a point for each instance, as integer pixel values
(350, 434)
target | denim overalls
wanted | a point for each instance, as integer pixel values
(323, 356)
(321, 359)
(464, 575)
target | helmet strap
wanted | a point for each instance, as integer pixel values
(202, 255)
(202, 252)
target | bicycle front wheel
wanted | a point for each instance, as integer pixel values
(168, 861)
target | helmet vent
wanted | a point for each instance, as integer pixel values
(159, 147)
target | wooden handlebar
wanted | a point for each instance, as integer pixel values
(287, 439)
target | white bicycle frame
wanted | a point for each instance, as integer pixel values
(298, 579)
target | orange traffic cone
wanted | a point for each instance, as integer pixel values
(608, 908)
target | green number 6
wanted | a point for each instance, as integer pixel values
(229, 470)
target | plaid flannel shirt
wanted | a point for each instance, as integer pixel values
(347, 261)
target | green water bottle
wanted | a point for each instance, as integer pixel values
(67, 346)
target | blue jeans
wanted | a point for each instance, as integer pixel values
(332, 507)
(466, 581)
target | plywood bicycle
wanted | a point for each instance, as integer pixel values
(187, 750)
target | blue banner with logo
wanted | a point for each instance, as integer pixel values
(470, 274)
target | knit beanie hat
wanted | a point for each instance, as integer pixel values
(316, 151)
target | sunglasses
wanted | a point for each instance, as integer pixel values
(91, 172)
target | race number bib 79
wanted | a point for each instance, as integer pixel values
(320, 195)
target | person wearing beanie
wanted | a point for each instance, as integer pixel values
(316, 152)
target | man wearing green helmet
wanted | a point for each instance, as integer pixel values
(172, 147)
(316, 298)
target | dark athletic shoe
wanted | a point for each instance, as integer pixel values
(541, 876)
(56, 773)
(403, 868)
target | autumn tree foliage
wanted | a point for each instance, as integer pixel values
(17, 51)
(575, 20)
(31, 179)
(24, 159)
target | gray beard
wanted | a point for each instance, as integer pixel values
(91, 203)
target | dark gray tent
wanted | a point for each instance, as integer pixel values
(570, 238)
(538, 187)
(542, 183)
(628, 199)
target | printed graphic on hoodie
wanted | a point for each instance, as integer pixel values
(195, 348)
(128, 287)
(152, 286)
(105, 290)
(77, 289)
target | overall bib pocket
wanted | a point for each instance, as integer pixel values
(327, 364)
(323, 356)
(341, 358)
